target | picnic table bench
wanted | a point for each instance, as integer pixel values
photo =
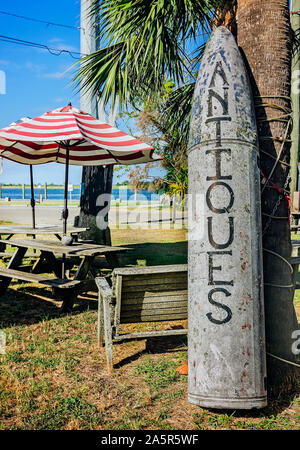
(140, 294)
(49, 250)
(35, 278)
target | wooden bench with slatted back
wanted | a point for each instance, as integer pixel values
(140, 294)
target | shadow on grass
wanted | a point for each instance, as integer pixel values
(30, 304)
(161, 344)
(170, 344)
(274, 407)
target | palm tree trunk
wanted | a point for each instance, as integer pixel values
(264, 36)
(226, 16)
(96, 181)
(95, 198)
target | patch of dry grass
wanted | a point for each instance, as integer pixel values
(53, 376)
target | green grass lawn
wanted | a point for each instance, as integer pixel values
(53, 376)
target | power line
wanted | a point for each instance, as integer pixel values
(53, 51)
(47, 22)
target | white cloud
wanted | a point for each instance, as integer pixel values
(58, 99)
(60, 44)
(28, 65)
(61, 73)
(55, 75)
(36, 68)
(4, 62)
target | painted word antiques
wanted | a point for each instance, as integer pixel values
(227, 367)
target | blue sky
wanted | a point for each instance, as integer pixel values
(37, 81)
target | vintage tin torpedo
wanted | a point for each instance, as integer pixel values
(227, 364)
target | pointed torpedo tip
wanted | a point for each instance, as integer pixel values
(222, 31)
(221, 36)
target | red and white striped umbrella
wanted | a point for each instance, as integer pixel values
(89, 141)
(71, 136)
(32, 200)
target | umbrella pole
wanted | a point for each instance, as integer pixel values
(32, 200)
(65, 211)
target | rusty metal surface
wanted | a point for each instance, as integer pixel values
(227, 367)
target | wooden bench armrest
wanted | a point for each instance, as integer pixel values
(104, 331)
(103, 287)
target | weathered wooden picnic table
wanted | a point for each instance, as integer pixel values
(50, 251)
(56, 230)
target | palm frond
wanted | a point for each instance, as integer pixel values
(144, 46)
(178, 109)
(296, 41)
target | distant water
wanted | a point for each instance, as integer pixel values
(58, 194)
